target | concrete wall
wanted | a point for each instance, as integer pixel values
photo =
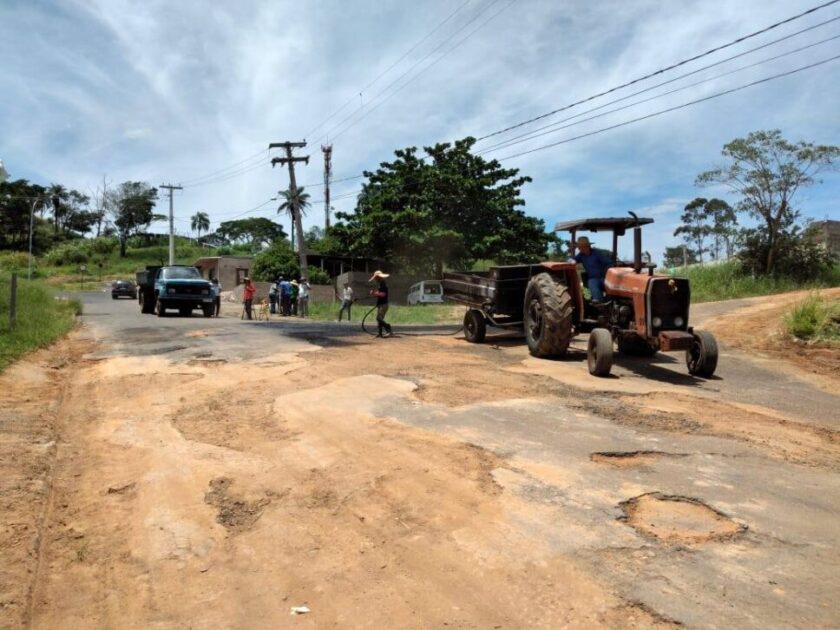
(225, 269)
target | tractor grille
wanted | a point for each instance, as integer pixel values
(668, 299)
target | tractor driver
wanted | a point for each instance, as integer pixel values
(595, 264)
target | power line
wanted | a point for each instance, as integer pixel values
(411, 69)
(231, 175)
(554, 128)
(661, 70)
(194, 180)
(389, 68)
(674, 108)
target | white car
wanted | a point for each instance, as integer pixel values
(426, 292)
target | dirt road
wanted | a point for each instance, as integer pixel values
(184, 472)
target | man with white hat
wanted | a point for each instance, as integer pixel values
(381, 293)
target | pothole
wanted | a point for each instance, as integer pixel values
(678, 519)
(630, 459)
(236, 513)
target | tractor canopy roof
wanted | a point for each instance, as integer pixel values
(619, 226)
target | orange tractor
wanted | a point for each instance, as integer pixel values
(641, 313)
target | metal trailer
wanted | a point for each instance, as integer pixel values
(493, 298)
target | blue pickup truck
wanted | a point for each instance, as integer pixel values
(174, 287)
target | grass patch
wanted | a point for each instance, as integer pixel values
(399, 314)
(729, 281)
(41, 318)
(816, 318)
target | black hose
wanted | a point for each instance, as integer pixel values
(409, 334)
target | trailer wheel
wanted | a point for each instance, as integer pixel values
(475, 327)
(547, 316)
(635, 346)
(599, 352)
(702, 358)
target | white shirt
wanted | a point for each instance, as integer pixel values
(303, 290)
(347, 294)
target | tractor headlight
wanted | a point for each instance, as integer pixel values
(656, 321)
(678, 322)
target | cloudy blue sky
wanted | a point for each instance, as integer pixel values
(193, 92)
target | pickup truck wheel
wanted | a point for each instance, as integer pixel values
(701, 359)
(599, 352)
(547, 316)
(207, 310)
(160, 310)
(475, 328)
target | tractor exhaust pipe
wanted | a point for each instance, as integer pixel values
(637, 245)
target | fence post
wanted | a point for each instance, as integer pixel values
(13, 303)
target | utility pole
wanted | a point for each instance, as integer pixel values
(170, 187)
(290, 160)
(327, 149)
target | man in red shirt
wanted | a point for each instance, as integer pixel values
(248, 296)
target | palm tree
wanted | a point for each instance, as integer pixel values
(199, 222)
(58, 195)
(299, 200)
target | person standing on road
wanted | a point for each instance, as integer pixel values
(293, 297)
(248, 296)
(285, 296)
(303, 297)
(217, 296)
(381, 294)
(272, 297)
(346, 301)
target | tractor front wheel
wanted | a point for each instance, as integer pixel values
(701, 359)
(548, 315)
(599, 352)
(475, 328)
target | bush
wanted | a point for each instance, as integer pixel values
(815, 319)
(73, 253)
(317, 275)
(277, 260)
(796, 256)
(14, 261)
(104, 245)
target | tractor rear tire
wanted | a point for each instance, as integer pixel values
(635, 346)
(599, 352)
(475, 327)
(701, 359)
(548, 316)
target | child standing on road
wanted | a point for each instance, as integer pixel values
(346, 301)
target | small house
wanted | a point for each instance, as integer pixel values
(231, 271)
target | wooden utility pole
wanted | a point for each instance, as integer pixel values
(290, 160)
(170, 187)
(327, 149)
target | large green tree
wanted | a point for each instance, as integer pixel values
(445, 210)
(132, 207)
(767, 172)
(255, 231)
(19, 199)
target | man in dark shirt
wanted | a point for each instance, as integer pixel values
(596, 264)
(381, 293)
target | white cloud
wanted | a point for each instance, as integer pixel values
(164, 91)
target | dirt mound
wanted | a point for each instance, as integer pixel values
(678, 519)
(236, 513)
(630, 459)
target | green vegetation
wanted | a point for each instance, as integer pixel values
(398, 314)
(41, 318)
(817, 318)
(730, 280)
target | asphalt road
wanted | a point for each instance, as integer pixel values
(778, 568)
